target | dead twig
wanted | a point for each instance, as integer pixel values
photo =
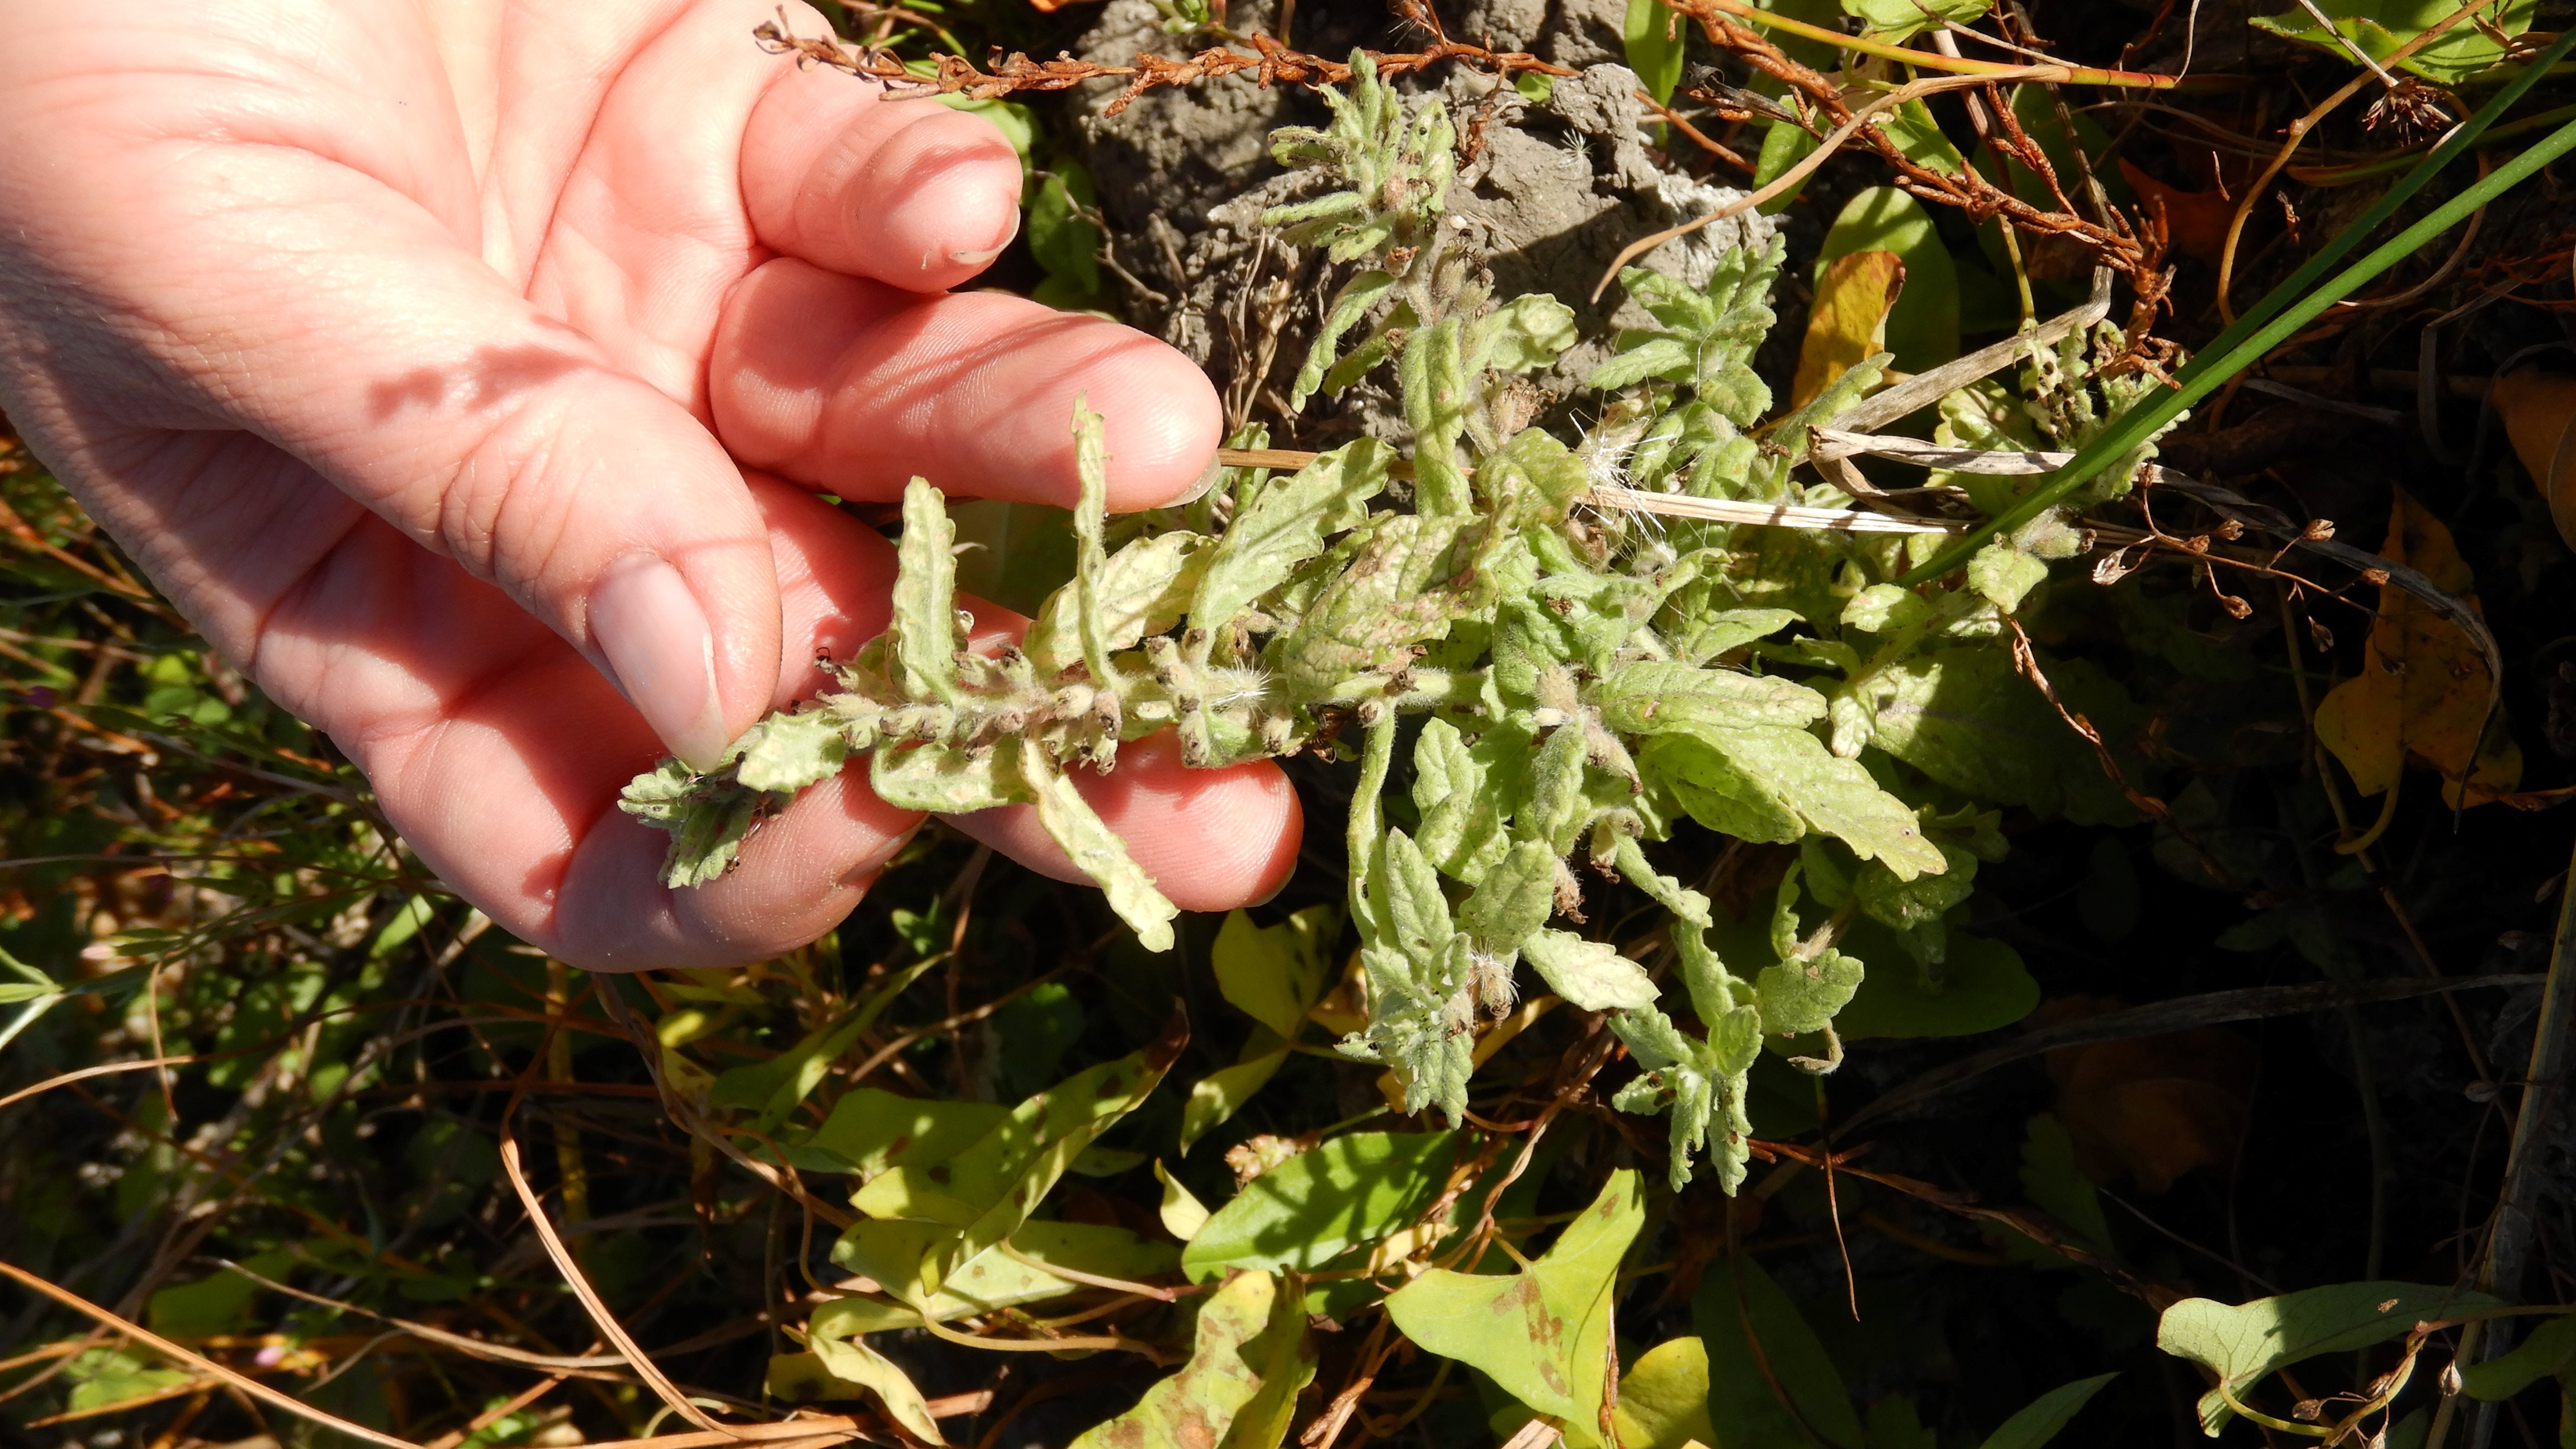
(1269, 63)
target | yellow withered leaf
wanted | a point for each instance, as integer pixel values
(2423, 692)
(1848, 323)
(2539, 412)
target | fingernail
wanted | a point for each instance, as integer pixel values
(979, 258)
(658, 644)
(1198, 489)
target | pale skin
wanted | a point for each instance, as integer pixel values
(465, 371)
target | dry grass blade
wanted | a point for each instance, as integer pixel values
(786, 1434)
(198, 1361)
(101, 1070)
(1761, 515)
(1926, 388)
(1668, 505)
(609, 1327)
(471, 1347)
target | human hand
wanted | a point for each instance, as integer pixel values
(411, 350)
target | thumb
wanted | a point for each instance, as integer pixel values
(346, 325)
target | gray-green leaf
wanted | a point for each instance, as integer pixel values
(925, 595)
(1285, 526)
(1589, 974)
(1513, 900)
(1093, 846)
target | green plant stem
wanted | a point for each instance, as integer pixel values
(2277, 317)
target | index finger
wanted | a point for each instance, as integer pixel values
(852, 386)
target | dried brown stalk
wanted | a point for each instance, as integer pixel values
(1268, 62)
(2115, 243)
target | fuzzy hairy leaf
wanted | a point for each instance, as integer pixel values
(947, 780)
(1699, 1085)
(1408, 582)
(1513, 900)
(1799, 997)
(1142, 589)
(1455, 790)
(1767, 780)
(1660, 698)
(784, 753)
(1284, 527)
(1096, 849)
(1422, 1025)
(706, 817)
(925, 595)
(1350, 305)
(1523, 335)
(1589, 974)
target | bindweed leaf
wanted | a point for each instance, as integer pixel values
(1275, 974)
(2041, 1419)
(1196, 1407)
(1755, 1338)
(870, 1131)
(1220, 1094)
(2550, 1352)
(985, 1192)
(1340, 1194)
(849, 1369)
(2242, 1343)
(1663, 1398)
(1542, 1334)
(891, 1254)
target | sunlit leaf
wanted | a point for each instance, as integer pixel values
(2242, 1343)
(988, 1189)
(849, 1369)
(1310, 1209)
(1541, 1333)
(1663, 1398)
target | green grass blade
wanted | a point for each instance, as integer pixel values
(2285, 309)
